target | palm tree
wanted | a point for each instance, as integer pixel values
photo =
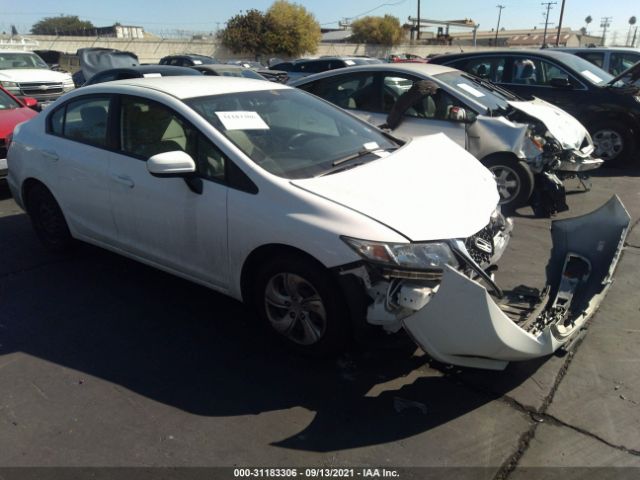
(588, 20)
(632, 22)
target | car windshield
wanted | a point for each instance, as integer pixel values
(7, 103)
(203, 60)
(20, 60)
(587, 70)
(480, 91)
(291, 133)
(239, 72)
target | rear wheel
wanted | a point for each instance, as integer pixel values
(514, 178)
(301, 303)
(614, 142)
(47, 219)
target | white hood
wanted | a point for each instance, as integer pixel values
(33, 75)
(565, 128)
(431, 189)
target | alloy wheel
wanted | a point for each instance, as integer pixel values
(609, 144)
(508, 182)
(295, 309)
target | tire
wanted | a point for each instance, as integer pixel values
(301, 304)
(515, 180)
(614, 142)
(48, 220)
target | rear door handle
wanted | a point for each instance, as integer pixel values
(50, 154)
(123, 180)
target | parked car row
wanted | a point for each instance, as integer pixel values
(606, 105)
(373, 205)
(326, 225)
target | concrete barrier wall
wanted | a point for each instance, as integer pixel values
(152, 50)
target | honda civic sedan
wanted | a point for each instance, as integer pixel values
(319, 221)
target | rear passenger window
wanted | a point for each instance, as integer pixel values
(620, 61)
(597, 58)
(85, 121)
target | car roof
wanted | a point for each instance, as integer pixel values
(3, 50)
(411, 68)
(187, 55)
(543, 52)
(598, 49)
(219, 66)
(192, 86)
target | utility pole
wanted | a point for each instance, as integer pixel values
(418, 28)
(546, 22)
(605, 22)
(560, 24)
(495, 41)
(635, 33)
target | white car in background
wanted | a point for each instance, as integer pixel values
(320, 221)
(25, 74)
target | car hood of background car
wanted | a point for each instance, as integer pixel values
(431, 189)
(564, 127)
(10, 118)
(32, 75)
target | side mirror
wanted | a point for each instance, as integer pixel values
(30, 102)
(171, 164)
(459, 114)
(560, 82)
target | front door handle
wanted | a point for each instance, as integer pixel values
(50, 154)
(123, 180)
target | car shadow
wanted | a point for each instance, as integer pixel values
(183, 345)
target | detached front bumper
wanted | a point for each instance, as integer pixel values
(459, 322)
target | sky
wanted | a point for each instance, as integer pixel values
(168, 16)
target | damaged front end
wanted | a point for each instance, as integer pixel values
(460, 316)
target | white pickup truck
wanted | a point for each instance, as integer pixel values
(25, 74)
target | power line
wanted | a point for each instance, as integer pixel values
(560, 24)
(392, 4)
(549, 6)
(605, 22)
(495, 41)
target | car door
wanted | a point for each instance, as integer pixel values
(79, 149)
(163, 220)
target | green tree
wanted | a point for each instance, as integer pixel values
(64, 24)
(292, 29)
(378, 30)
(245, 33)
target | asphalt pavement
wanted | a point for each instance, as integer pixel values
(105, 362)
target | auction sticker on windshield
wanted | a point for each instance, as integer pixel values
(239, 120)
(471, 90)
(591, 76)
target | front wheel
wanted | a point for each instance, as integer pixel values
(514, 179)
(614, 143)
(300, 302)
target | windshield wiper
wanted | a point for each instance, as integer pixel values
(339, 164)
(359, 154)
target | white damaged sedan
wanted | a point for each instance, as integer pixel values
(320, 221)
